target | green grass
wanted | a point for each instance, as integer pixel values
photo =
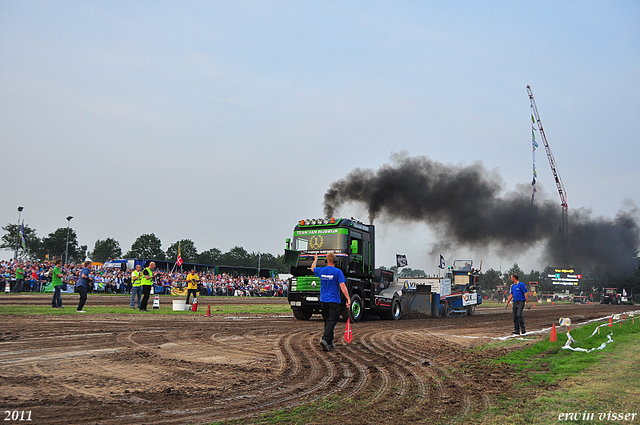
(70, 308)
(562, 381)
(548, 362)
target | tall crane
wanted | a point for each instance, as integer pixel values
(552, 162)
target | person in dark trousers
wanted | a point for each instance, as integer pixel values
(147, 283)
(332, 281)
(83, 285)
(520, 296)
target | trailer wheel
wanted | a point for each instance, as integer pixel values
(304, 314)
(396, 310)
(357, 309)
(446, 311)
(471, 309)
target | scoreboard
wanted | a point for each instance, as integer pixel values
(565, 276)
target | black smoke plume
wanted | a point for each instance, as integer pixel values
(465, 205)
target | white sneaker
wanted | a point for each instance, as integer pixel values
(80, 311)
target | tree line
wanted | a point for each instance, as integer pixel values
(54, 246)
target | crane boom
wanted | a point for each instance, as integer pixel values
(552, 162)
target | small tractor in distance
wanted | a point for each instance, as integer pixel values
(610, 296)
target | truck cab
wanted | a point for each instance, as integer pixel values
(464, 295)
(353, 244)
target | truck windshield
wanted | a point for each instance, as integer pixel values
(462, 265)
(320, 240)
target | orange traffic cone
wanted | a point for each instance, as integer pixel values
(208, 310)
(534, 305)
(589, 302)
(554, 335)
(348, 335)
(551, 302)
(610, 322)
(194, 306)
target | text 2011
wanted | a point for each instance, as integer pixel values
(17, 415)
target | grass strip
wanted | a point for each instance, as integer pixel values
(575, 387)
(26, 310)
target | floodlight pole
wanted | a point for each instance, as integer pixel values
(15, 253)
(66, 252)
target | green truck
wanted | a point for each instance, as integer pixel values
(353, 244)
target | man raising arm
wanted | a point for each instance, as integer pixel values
(332, 281)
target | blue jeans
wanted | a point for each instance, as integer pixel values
(57, 298)
(135, 290)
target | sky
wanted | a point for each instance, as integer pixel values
(227, 122)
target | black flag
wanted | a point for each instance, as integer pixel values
(401, 260)
(441, 262)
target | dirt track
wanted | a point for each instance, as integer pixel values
(124, 369)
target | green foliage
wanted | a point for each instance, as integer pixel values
(239, 256)
(12, 238)
(407, 272)
(105, 250)
(146, 246)
(55, 244)
(515, 269)
(490, 280)
(188, 251)
(211, 256)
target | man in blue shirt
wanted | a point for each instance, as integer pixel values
(519, 295)
(332, 281)
(83, 285)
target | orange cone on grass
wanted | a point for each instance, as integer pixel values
(610, 321)
(208, 310)
(554, 335)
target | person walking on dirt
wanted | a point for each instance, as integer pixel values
(147, 282)
(83, 285)
(519, 295)
(56, 282)
(192, 284)
(136, 287)
(332, 281)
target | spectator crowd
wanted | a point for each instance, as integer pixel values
(27, 276)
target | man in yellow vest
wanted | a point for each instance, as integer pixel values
(136, 286)
(147, 282)
(192, 284)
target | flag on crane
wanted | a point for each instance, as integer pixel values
(401, 260)
(442, 265)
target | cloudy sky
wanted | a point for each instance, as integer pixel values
(226, 122)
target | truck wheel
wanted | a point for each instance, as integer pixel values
(356, 308)
(446, 312)
(471, 309)
(304, 314)
(396, 309)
